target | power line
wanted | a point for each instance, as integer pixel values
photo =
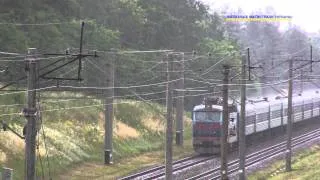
(102, 104)
(36, 24)
(197, 75)
(25, 91)
(251, 84)
(23, 60)
(104, 72)
(133, 92)
(135, 52)
(211, 67)
(121, 87)
(96, 88)
(97, 105)
(80, 107)
(9, 53)
(161, 60)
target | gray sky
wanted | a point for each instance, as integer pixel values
(306, 13)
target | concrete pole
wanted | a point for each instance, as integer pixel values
(301, 81)
(29, 113)
(242, 123)
(180, 101)
(311, 60)
(225, 123)
(289, 124)
(108, 148)
(169, 130)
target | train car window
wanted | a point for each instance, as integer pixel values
(308, 106)
(207, 116)
(285, 112)
(275, 114)
(297, 109)
(250, 119)
(262, 117)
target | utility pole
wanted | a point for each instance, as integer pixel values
(108, 149)
(242, 123)
(30, 115)
(225, 123)
(289, 123)
(301, 81)
(311, 60)
(169, 119)
(180, 101)
(249, 64)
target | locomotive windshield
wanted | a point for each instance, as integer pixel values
(207, 116)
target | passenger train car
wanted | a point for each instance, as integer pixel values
(260, 116)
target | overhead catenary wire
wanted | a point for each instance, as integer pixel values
(197, 75)
(214, 65)
(36, 24)
(193, 58)
(38, 59)
(160, 63)
(96, 88)
(122, 96)
(121, 87)
(135, 52)
(127, 87)
(96, 105)
(133, 92)
(149, 69)
(283, 72)
(285, 55)
(102, 104)
(9, 53)
(25, 91)
(24, 77)
(251, 84)
(280, 62)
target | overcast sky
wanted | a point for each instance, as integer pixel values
(306, 13)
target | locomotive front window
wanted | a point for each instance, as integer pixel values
(207, 116)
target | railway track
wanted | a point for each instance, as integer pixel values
(158, 171)
(258, 156)
(233, 166)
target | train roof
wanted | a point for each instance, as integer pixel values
(306, 96)
(202, 106)
(272, 101)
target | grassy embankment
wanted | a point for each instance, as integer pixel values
(74, 139)
(305, 167)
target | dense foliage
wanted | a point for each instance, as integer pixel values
(180, 25)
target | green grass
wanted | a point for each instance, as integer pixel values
(305, 167)
(74, 137)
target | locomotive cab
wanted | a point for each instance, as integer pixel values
(207, 125)
(207, 121)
